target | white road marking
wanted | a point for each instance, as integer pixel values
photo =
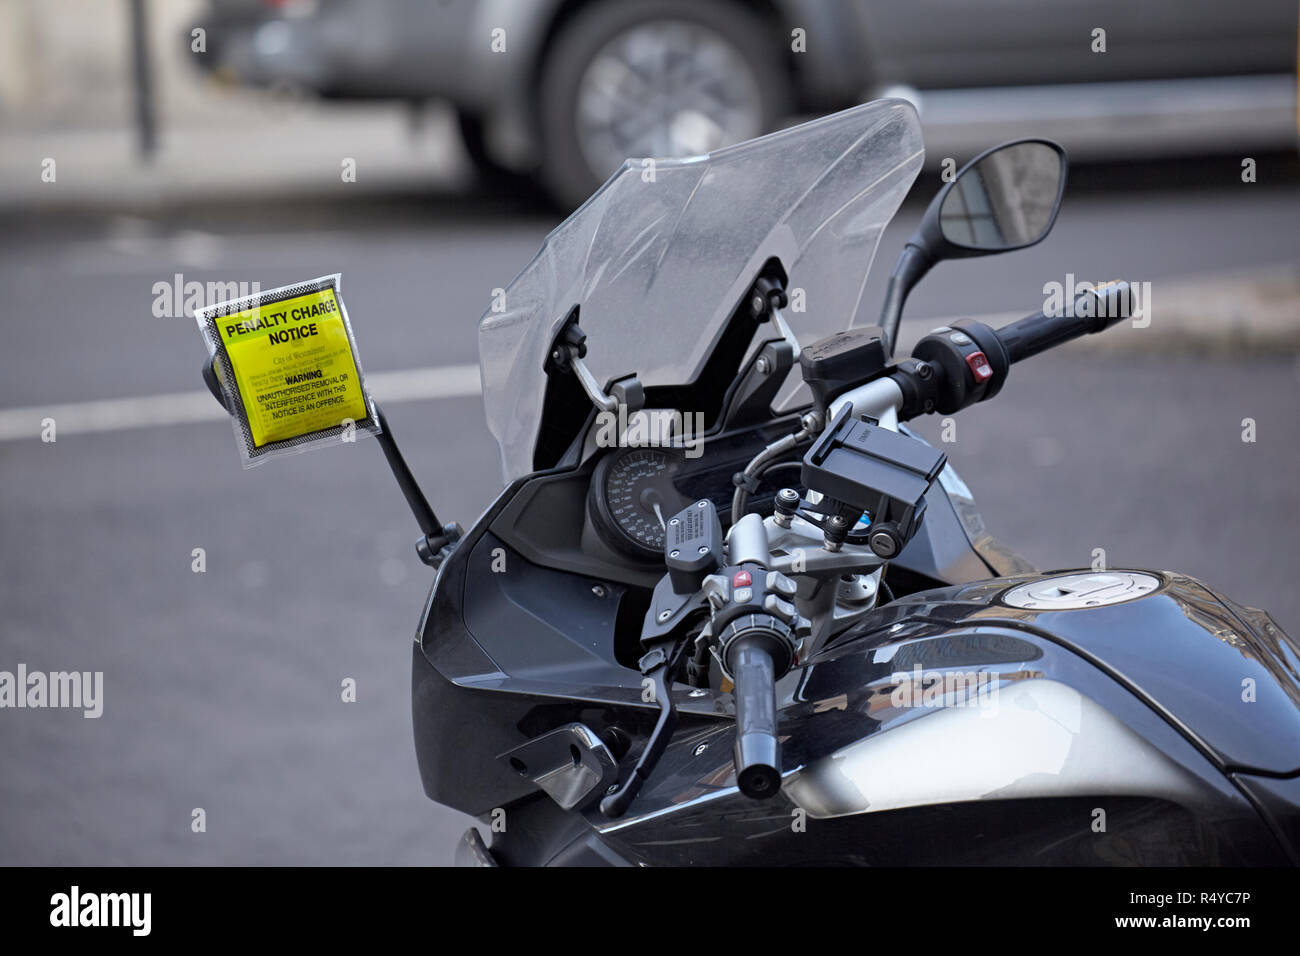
(180, 408)
(408, 385)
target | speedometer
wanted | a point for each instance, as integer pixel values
(633, 496)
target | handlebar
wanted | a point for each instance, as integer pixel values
(754, 624)
(758, 752)
(954, 367)
(1094, 311)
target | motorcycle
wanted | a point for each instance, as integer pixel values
(729, 609)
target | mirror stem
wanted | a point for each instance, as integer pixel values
(411, 491)
(436, 535)
(912, 264)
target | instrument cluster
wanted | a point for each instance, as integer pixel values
(635, 491)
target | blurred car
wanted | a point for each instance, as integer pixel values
(566, 89)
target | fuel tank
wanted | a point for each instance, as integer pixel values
(1226, 676)
(1116, 717)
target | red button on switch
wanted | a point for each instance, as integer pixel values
(742, 579)
(979, 366)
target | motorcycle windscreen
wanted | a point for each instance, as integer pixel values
(658, 258)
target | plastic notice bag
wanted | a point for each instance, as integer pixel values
(288, 369)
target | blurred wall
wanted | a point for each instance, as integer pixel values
(66, 63)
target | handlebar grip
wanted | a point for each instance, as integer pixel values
(758, 752)
(1094, 311)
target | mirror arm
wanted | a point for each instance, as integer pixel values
(436, 535)
(913, 264)
(411, 491)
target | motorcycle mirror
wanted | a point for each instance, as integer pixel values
(1006, 198)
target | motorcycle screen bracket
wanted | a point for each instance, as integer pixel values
(857, 463)
(567, 354)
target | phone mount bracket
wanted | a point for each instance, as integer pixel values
(863, 468)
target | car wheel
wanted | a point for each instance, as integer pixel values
(663, 78)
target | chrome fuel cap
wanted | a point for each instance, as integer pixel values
(1082, 589)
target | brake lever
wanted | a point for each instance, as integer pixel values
(658, 664)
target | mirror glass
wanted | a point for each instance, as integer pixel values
(1004, 201)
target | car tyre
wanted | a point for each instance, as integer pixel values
(752, 44)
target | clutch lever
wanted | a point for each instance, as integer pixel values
(658, 664)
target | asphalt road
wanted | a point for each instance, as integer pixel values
(223, 688)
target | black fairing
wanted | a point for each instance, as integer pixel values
(503, 657)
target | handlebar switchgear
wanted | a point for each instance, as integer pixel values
(967, 362)
(756, 632)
